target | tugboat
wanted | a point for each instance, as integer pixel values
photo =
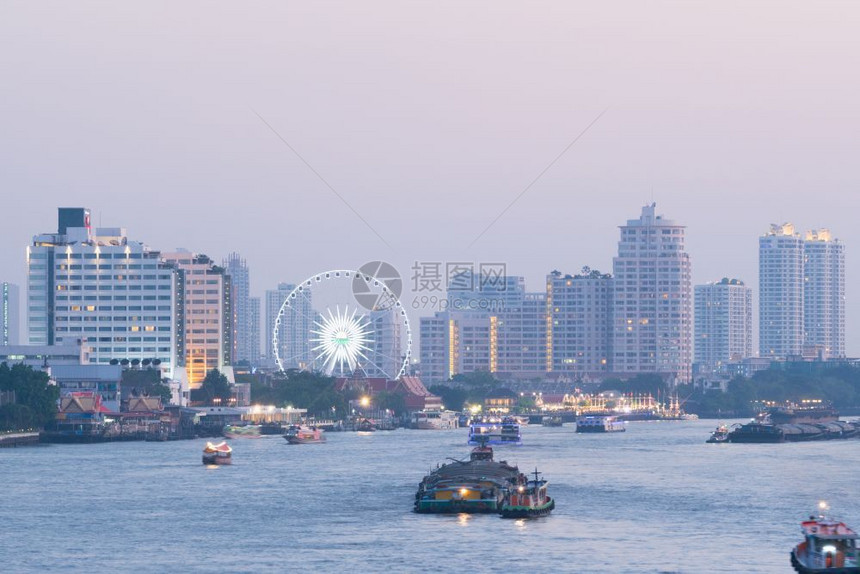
(720, 434)
(828, 547)
(528, 500)
(220, 453)
(298, 434)
(477, 485)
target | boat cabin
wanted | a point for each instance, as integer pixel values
(827, 544)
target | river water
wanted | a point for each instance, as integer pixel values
(653, 499)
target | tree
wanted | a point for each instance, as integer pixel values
(452, 397)
(215, 389)
(35, 400)
(391, 401)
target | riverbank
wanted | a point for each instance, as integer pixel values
(12, 440)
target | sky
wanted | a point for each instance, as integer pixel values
(321, 135)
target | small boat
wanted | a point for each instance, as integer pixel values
(492, 430)
(527, 500)
(828, 547)
(242, 431)
(720, 434)
(599, 423)
(551, 421)
(298, 434)
(220, 453)
(365, 425)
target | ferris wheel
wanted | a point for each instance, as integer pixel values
(343, 323)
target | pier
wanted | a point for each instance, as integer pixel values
(19, 439)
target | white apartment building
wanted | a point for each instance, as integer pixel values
(240, 282)
(723, 322)
(294, 330)
(652, 308)
(824, 294)
(781, 253)
(99, 287)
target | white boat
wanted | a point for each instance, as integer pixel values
(599, 423)
(435, 420)
(492, 430)
(828, 546)
(300, 434)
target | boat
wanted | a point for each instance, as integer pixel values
(528, 500)
(435, 420)
(720, 434)
(828, 547)
(300, 434)
(599, 423)
(494, 431)
(551, 421)
(477, 485)
(220, 453)
(243, 431)
(365, 425)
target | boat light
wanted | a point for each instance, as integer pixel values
(829, 548)
(463, 492)
(521, 489)
(822, 505)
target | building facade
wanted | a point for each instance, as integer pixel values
(723, 323)
(579, 322)
(240, 282)
(254, 330)
(652, 303)
(208, 325)
(100, 287)
(823, 295)
(294, 330)
(781, 254)
(10, 314)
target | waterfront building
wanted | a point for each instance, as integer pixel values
(294, 329)
(104, 380)
(99, 286)
(208, 325)
(10, 314)
(579, 322)
(723, 323)
(781, 253)
(243, 345)
(652, 303)
(823, 294)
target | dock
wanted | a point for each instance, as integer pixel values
(19, 439)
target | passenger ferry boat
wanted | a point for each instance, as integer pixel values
(435, 420)
(220, 453)
(599, 423)
(492, 430)
(299, 434)
(720, 434)
(828, 547)
(478, 485)
(528, 500)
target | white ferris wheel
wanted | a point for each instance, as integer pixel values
(343, 323)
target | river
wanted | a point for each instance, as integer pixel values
(653, 499)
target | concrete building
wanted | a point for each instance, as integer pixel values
(433, 348)
(240, 281)
(653, 300)
(823, 295)
(518, 339)
(294, 330)
(254, 327)
(387, 346)
(99, 286)
(723, 323)
(781, 253)
(208, 325)
(579, 315)
(45, 356)
(10, 314)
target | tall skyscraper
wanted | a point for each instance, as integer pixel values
(579, 311)
(10, 314)
(723, 322)
(237, 269)
(824, 294)
(294, 330)
(652, 308)
(208, 327)
(254, 329)
(100, 287)
(781, 253)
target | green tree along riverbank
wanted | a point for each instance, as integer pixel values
(29, 401)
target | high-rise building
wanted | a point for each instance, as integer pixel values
(10, 314)
(781, 253)
(294, 330)
(723, 323)
(208, 326)
(243, 345)
(579, 311)
(824, 294)
(653, 300)
(99, 287)
(387, 346)
(433, 348)
(254, 329)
